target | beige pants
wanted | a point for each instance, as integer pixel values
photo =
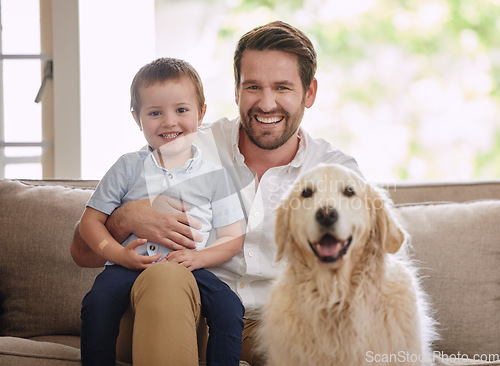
(163, 325)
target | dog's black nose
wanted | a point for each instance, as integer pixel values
(326, 216)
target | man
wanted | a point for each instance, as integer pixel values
(265, 151)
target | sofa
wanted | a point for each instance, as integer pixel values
(455, 229)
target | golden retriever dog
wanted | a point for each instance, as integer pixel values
(345, 298)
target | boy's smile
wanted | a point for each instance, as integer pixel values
(170, 136)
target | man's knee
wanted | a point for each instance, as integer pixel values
(163, 276)
(165, 283)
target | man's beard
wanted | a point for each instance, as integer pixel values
(265, 140)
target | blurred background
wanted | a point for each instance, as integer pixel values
(410, 88)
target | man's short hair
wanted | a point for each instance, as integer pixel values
(279, 36)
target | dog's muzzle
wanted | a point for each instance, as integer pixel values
(328, 249)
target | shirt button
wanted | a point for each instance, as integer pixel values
(242, 285)
(250, 254)
(256, 214)
(170, 176)
(152, 247)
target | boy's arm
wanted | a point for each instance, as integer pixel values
(170, 229)
(98, 238)
(228, 244)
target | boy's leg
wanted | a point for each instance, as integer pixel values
(124, 340)
(166, 304)
(102, 309)
(224, 313)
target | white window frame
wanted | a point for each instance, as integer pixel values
(72, 133)
(61, 117)
(61, 152)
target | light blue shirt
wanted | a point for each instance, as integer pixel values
(200, 184)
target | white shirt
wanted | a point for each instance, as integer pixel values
(251, 272)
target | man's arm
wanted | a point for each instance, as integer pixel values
(165, 223)
(82, 254)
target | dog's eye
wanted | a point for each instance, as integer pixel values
(306, 193)
(349, 192)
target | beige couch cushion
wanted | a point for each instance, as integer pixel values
(41, 287)
(16, 351)
(28, 352)
(458, 249)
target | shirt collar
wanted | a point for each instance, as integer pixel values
(188, 166)
(235, 138)
(301, 152)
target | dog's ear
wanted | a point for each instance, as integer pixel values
(281, 229)
(386, 229)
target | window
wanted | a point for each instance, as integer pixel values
(20, 64)
(410, 89)
(83, 123)
(40, 37)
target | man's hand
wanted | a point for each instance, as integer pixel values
(164, 222)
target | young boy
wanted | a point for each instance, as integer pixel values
(168, 104)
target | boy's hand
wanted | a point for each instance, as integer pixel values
(165, 223)
(191, 259)
(129, 258)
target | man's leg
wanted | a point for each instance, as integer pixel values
(166, 305)
(102, 309)
(249, 353)
(224, 313)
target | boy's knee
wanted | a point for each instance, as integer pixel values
(228, 299)
(224, 310)
(103, 302)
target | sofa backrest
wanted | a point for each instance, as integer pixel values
(41, 288)
(463, 191)
(455, 242)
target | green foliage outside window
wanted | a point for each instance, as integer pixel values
(411, 88)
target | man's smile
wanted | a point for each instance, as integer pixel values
(269, 120)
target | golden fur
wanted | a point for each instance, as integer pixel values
(364, 307)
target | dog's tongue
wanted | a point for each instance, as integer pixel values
(329, 246)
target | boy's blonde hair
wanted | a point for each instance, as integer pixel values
(160, 70)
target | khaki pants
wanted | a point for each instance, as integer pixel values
(163, 325)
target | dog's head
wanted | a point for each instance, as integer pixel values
(330, 212)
